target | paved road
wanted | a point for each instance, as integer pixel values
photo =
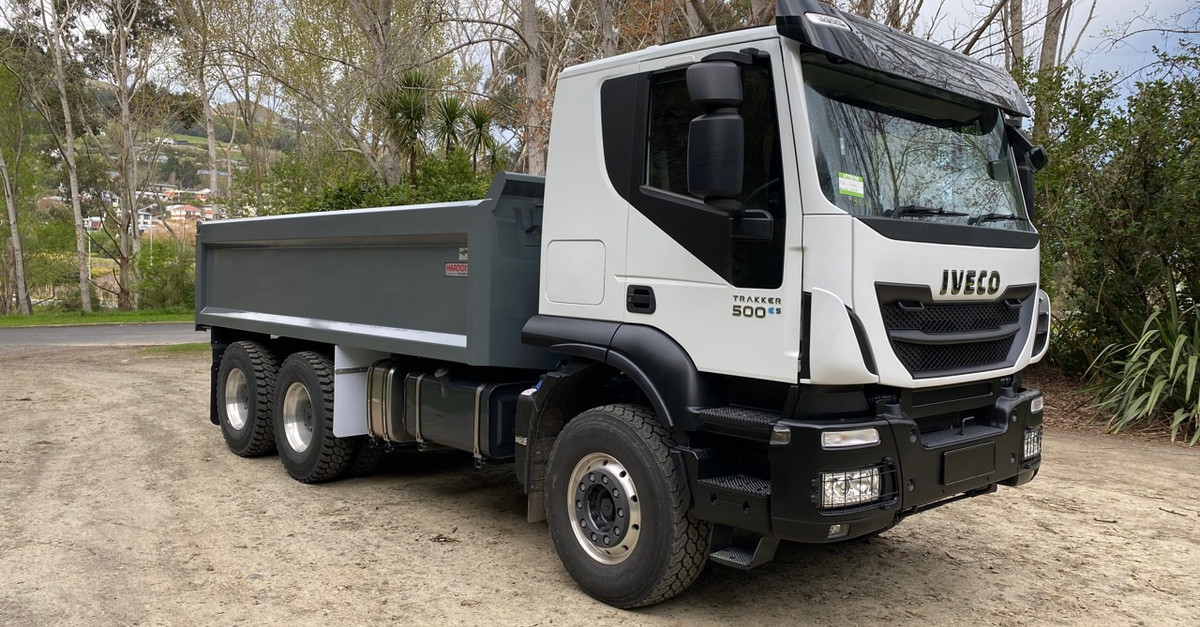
(103, 335)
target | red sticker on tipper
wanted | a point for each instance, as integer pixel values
(456, 269)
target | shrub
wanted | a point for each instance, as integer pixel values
(1154, 379)
(168, 275)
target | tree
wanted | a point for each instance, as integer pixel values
(123, 44)
(537, 136)
(196, 55)
(478, 136)
(44, 25)
(405, 111)
(12, 150)
(334, 63)
(449, 113)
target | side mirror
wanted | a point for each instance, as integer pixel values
(1037, 158)
(716, 139)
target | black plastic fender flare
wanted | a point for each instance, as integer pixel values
(655, 362)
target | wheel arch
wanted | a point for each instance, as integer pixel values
(604, 361)
(651, 359)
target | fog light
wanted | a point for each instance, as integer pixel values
(1035, 406)
(850, 487)
(838, 531)
(847, 439)
(1033, 442)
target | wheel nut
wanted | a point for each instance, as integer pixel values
(593, 537)
(603, 478)
(607, 541)
(616, 493)
(620, 513)
(578, 504)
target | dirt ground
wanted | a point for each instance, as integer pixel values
(119, 504)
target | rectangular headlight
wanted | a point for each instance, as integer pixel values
(851, 438)
(1033, 442)
(1036, 405)
(850, 487)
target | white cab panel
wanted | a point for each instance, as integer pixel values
(828, 250)
(581, 204)
(835, 356)
(743, 332)
(576, 268)
(878, 259)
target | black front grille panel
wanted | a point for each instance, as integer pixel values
(943, 338)
(941, 357)
(949, 318)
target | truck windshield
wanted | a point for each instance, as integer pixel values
(877, 157)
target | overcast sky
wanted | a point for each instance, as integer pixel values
(1096, 50)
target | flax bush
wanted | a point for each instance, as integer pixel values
(1153, 381)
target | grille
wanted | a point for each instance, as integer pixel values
(950, 318)
(933, 357)
(935, 319)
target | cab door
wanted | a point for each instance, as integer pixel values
(729, 294)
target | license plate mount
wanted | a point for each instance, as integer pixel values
(968, 463)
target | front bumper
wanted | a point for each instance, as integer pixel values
(921, 466)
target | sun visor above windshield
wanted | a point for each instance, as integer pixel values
(865, 43)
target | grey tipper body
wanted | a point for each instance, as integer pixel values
(379, 279)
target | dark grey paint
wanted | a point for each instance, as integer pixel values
(376, 278)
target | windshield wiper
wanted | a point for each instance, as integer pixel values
(918, 210)
(995, 217)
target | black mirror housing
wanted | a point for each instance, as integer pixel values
(716, 139)
(715, 84)
(1037, 158)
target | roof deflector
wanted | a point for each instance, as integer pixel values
(822, 28)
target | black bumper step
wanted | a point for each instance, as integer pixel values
(744, 557)
(723, 496)
(742, 422)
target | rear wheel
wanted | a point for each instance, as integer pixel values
(245, 391)
(368, 457)
(304, 420)
(617, 507)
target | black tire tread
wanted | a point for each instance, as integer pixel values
(265, 369)
(336, 453)
(368, 458)
(689, 550)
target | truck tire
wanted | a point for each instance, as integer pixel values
(368, 457)
(617, 508)
(245, 390)
(304, 420)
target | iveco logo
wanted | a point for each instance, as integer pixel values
(970, 282)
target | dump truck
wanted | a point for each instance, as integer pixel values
(778, 283)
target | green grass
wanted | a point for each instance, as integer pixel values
(60, 318)
(178, 349)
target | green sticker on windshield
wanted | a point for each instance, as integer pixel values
(850, 185)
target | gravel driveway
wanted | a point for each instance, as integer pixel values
(120, 505)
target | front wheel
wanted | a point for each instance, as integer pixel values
(616, 504)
